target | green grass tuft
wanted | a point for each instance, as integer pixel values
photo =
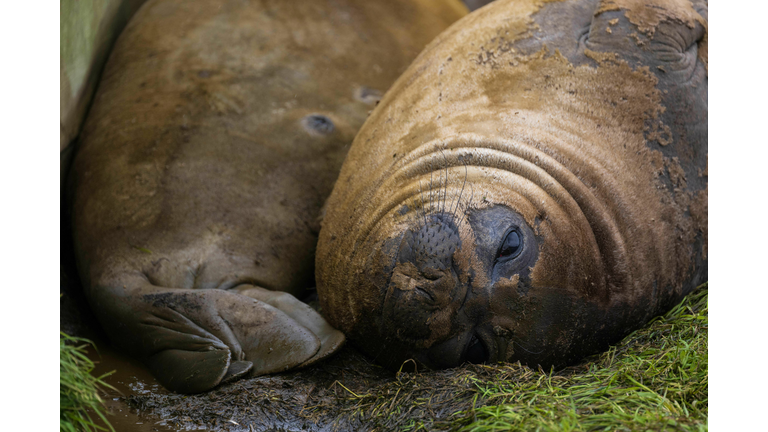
(79, 396)
(655, 379)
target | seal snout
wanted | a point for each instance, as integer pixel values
(424, 285)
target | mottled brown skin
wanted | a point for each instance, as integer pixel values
(216, 135)
(533, 188)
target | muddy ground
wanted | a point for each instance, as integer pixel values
(346, 392)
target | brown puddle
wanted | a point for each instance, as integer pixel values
(128, 379)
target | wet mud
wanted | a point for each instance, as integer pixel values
(319, 398)
(127, 379)
(312, 399)
(347, 392)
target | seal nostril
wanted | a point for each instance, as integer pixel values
(318, 124)
(425, 293)
(368, 95)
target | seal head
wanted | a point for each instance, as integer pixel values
(532, 188)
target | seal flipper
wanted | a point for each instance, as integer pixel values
(236, 371)
(265, 340)
(187, 358)
(331, 340)
(271, 339)
(194, 339)
(189, 371)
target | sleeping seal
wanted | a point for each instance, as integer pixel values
(217, 132)
(533, 188)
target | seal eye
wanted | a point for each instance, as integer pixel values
(318, 124)
(512, 245)
(476, 352)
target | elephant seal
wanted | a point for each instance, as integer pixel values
(216, 134)
(533, 188)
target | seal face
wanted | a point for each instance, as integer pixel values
(429, 286)
(533, 188)
(215, 137)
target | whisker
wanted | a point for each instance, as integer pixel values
(445, 195)
(458, 201)
(524, 349)
(423, 210)
(431, 185)
(466, 206)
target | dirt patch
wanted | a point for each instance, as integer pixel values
(350, 392)
(346, 393)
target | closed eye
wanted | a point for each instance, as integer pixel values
(424, 293)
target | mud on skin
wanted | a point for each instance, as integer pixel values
(215, 137)
(532, 188)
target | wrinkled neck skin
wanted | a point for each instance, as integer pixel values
(574, 263)
(460, 154)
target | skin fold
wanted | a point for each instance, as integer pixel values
(213, 141)
(532, 188)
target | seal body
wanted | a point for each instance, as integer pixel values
(216, 134)
(533, 188)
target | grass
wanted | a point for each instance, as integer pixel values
(655, 379)
(79, 397)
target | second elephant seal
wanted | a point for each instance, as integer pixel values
(533, 188)
(216, 134)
